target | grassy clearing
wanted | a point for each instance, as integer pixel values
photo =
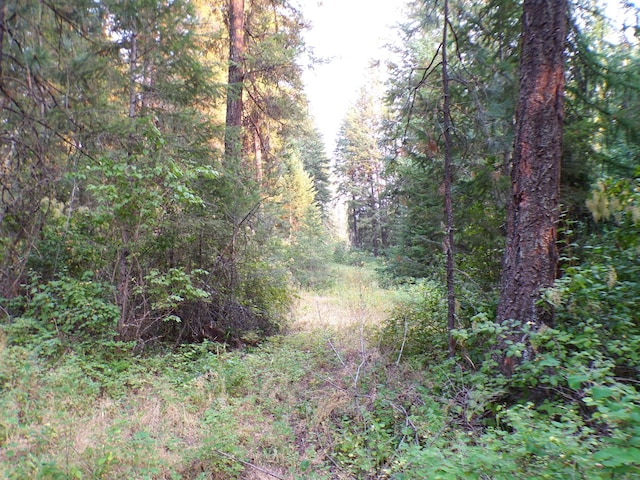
(321, 402)
(201, 412)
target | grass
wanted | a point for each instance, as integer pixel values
(319, 402)
(199, 413)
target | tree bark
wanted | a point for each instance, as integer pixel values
(233, 133)
(531, 256)
(3, 9)
(448, 204)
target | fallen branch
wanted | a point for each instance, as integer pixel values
(248, 464)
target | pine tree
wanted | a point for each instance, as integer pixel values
(531, 256)
(360, 169)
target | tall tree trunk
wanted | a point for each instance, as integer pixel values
(448, 205)
(531, 256)
(125, 268)
(233, 133)
(374, 205)
(133, 72)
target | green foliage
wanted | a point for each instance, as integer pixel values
(350, 256)
(266, 291)
(118, 170)
(63, 314)
(315, 161)
(68, 243)
(526, 444)
(417, 324)
(483, 101)
(366, 443)
(112, 167)
(167, 291)
(360, 172)
(221, 445)
(310, 260)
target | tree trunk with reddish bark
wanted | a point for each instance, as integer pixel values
(531, 256)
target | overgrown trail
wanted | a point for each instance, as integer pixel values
(354, 305)
(336, 330)
(334, 334)
(293, 408)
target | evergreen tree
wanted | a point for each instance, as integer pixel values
(531, 256)
(360, 171)
(479, 95)
(308, 141)
(50, 78)
(114, 165)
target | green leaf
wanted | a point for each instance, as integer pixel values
(617, 456)
(598, 393)
(549, 361)
(575, 381)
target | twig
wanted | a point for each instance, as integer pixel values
(326, 448)
(363, 355)
(6, 312)
(336, 352)
(248, 464)
(329, 339)
(330, 382)
(404, 339)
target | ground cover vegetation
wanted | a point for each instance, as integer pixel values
(173, 303)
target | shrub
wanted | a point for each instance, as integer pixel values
(62, 314)
(418, 324)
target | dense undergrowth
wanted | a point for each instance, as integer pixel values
(357, 387)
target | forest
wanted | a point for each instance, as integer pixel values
(180, 300)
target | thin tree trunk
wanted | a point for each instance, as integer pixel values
(233, 133)
(374, 219)
(124, 261)
(133, 66)
(257, 146)
(448, 205)
(531, 256)
(3, 9)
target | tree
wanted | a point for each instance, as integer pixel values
(360, 169)
(448, 174)
(47, 72)
(237, 50)
(308, 140)
(481, 70)
(274, 99)
(531, 256)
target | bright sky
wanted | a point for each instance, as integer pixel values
(349, 34)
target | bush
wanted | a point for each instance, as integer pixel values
(527, 443)
(345, 255)
(309, 261)
(62, 314)
(418, 324)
